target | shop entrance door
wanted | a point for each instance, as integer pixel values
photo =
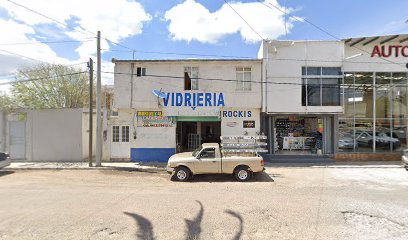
(190, 135)
(302, 135)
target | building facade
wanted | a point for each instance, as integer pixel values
(169, 106)
(345, 99)
(348, 98)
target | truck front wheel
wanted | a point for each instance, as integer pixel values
(243, 174)
(182, 174)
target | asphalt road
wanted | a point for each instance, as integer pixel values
(284, 203)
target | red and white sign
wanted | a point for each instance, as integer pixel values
(390, 51)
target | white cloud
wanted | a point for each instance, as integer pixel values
(116, 20)
(192, 21)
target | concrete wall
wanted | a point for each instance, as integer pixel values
(283, 62)
(232, 121)
(54, 135)
(143, 86)
(366, 63)
(3, 131)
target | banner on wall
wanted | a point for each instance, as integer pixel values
(153, 119)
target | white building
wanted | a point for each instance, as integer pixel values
(346, 98)
(202, 100)
(361, 114)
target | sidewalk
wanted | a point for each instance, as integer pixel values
(129, 166)
(161, 166)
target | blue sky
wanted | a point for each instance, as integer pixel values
(206, 27)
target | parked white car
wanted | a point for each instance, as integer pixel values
(4, 160)
(404, 159)
(208, 159)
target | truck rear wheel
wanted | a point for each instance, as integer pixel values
(243, 174)
(182, 174)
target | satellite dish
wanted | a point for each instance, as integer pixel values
(159, 94)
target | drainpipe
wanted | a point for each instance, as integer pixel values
(132, 67)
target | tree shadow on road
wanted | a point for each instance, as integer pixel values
(258, 177)
(6, 172)
(241, 223)
(144, 227)
(194, 226)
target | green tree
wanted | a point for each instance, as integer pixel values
(51, 86)
(6, 103)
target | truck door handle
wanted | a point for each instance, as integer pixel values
(214, 161)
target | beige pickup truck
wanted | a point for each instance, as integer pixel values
(209, 160)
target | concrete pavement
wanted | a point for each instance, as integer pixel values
(314, 202)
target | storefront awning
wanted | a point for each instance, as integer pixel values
(197, 119)
(401, 38)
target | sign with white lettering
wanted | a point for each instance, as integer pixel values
(194, 99)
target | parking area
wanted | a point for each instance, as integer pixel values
(286, 202)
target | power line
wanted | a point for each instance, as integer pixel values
(45, 42)
(246, 57)
(243, 19)
(259, 82)
(19, 55)
(37, 79)
(322, 30)
(67, 26)
(52, 19)
(187, 54)
(35, 70)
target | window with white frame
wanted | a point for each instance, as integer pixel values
(120, 133)
(115, 134)
(243, 75)
(140, 71)
(190, 78)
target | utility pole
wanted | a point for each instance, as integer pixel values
(90, 66)
(98, 158)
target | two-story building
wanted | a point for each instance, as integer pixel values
(346, 99)
(165, 106)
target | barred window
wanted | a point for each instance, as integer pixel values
(125, 133)
(115, 133)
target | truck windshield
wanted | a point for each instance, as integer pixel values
(197, 151)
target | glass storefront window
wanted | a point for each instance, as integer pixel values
(384, 141)
(363, 95)
(348, 95)
(399, 130)
(375, 112)
(399, 95)
(346, 140)
(331, 91)
(363, 132)
(313, 91)
(383, 94)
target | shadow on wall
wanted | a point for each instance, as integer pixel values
(193, 231)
